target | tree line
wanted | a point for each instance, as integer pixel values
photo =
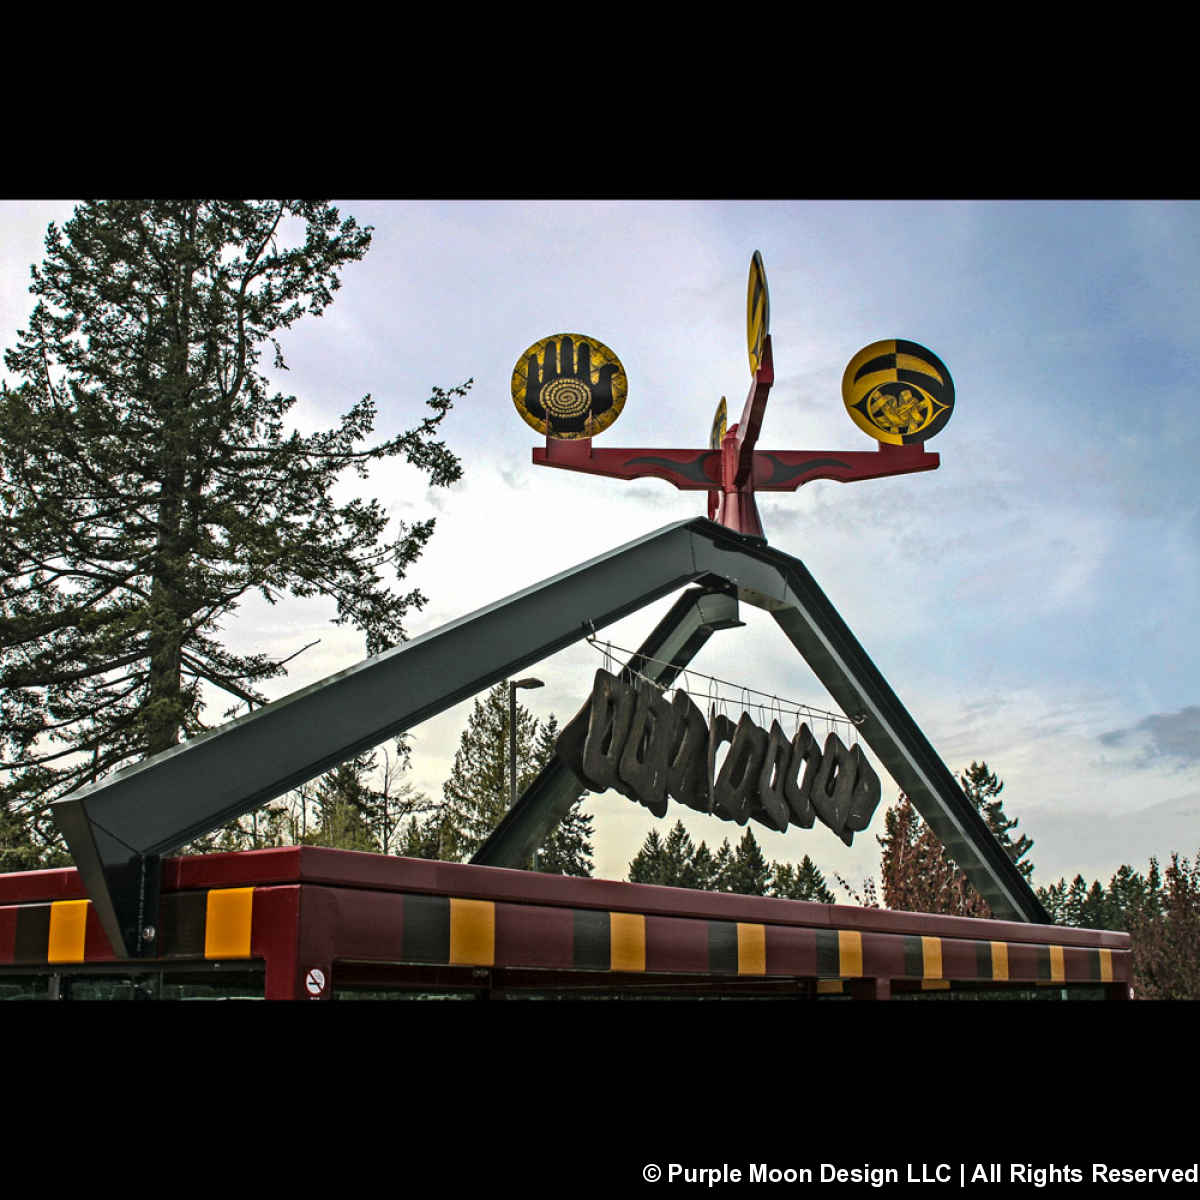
(678, 862)
(370, 804)
(1160, 910)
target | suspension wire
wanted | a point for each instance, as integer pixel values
(794, 708)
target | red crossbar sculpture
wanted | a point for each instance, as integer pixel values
(732, 474)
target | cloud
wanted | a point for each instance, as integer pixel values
(1162, 735)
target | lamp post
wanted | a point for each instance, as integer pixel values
(512, 739)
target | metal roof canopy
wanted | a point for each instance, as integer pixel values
(119, 829)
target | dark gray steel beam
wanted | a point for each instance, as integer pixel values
(783, 586)
(168, 800)
(672, 644)
(117, 828)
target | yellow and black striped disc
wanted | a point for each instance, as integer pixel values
(569, 386)
(717, 436)
(898, 392)
(758, 312)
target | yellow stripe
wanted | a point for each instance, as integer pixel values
(68, 921)
(472, 932)
(849, 953)
(864, 385)
(1106, 966)
(999, 960)
(1057, 974)
(906, 362)
(932, 985)
(628, 931)
(931, 957)
(828, 987)
(752, 949)
(227, 923)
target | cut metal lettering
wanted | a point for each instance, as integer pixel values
(631, 739)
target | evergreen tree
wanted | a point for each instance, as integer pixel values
(983, 789)
(721, 866)
(359, 805)
(1153, 889)
(148, 482)
(344, 803)
(678, 862)
(747, 872)
(1054, 901)
(679, 859)
(1075, 904)
(917, 874)
(800, 883)
(1129, 897)
(1166, 934)
(567, 850)
(649, 864)
(421, 838)
(476, 796)
(704, 868)
(19, 851)
(1095, 910)
(1159, 910)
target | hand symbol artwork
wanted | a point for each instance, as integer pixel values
(563, 394)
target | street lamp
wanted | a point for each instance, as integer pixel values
(512, 732)
(512, 739)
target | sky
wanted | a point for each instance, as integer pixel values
(1033, 602)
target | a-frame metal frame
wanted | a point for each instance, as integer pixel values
(119, 829)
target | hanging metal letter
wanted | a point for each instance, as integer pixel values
(799, 792)
(720, 729)
(738, 781)
(687, 769)
(833, 786)
(611, 715)
(772, 808)
(569, 743)
(867, 791)
(643, 765)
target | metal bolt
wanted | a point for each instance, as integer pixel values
(148, 933)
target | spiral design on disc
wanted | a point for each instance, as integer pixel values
(569, 386)
(565, 398)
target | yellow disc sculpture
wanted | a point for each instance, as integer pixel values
(569, 386)
(899, 392)
(758, 312)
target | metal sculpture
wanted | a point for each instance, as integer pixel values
(732, 470)
(647, 748)
(569, 386)
(898, 392)
(119, 829)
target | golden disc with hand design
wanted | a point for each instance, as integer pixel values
(898, 392)
(569, 386)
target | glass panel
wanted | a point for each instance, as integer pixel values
(25, 987)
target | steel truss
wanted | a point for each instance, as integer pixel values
(118, 830)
